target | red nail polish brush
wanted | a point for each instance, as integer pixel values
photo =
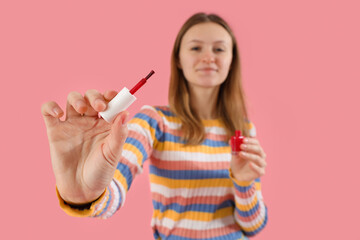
(141, 82)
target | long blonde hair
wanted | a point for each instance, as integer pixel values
(230, 106)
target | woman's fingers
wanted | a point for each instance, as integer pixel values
(51, 112)
(90, 104)
(259, 170)
(256, 159)
(255, 149)
(109, 95)
(252, 145)
(76, 105)
(51, 108)
(96, 102)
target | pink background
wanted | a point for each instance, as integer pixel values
(300, 62)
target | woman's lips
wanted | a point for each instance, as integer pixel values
(207, 69)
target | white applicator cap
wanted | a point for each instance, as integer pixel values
(118, 104)
(122, 100)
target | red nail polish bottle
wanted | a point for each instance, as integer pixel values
(236, 141)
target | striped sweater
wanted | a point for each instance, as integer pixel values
(194, 196)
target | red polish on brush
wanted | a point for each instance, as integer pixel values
(236, 141)
(141, 82)
(123, 100)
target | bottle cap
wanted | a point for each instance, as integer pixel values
(118, 104)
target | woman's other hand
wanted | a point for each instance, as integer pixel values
(250, 163)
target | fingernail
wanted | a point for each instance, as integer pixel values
(100, 103)
(57, 111)
(243, 146)
(79, 104)
(124, 120)
(246, 140)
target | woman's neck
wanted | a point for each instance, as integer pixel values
(204, 100)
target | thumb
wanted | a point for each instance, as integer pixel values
(116, 139)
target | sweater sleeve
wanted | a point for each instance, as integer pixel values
(250, 210)
(144, 130)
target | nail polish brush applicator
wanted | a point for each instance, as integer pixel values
(122, 100)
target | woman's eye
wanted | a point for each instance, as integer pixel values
(219, 50)
(195, 48)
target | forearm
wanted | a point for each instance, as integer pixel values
(250, 211)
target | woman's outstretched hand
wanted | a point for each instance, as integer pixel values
(249, 163)
(84, 148)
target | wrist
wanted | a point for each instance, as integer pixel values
(77, 205)
(80, 206)
(239, 180)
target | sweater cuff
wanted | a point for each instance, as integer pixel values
(76, 212)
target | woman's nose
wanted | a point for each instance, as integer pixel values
(208, 57)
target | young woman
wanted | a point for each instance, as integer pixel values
(199, 189)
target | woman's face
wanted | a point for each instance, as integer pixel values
(205, 55)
